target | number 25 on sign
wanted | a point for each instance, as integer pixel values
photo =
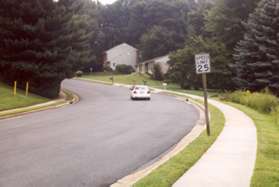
(202, 63)
(203, 67)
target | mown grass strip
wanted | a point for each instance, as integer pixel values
(137, 78)
(8, 101)
(171, 171)
(266, 171)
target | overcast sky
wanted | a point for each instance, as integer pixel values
(107, 1)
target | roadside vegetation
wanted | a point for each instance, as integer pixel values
(171, 171)
(9, 101)
(263, 108)
(137, 78)
(261, 101)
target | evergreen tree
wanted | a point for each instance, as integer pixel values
(257, 55)
(38, 43)
(224, 20)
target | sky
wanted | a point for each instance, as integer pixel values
(107, 1)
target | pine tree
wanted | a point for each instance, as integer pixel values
(38, 43)
(257, 55)
(223, 20)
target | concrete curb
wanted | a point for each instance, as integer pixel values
(67, 97)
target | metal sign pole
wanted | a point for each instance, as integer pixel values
(204, 82)
(203, 67)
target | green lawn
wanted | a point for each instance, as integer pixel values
(136, 78)
(171, 171)
(267, 165)
(8, 101)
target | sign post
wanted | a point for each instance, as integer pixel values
(203, 67)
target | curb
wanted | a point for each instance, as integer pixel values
(67, 97)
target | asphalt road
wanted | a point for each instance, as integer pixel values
(93, 143)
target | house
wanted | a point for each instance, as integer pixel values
(121, 54)
(147, 66)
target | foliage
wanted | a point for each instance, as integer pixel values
(159, 41)
(182, 69)
(157, 73)
(133, 21)
(262, 102)
(85, 25)
(136, 78)
(257, 57)
(39, 43)
(124, 69)
(224, 20)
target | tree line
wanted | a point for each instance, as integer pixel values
(242, 38)
(46, 41)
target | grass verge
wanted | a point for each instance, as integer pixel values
(266, 171)
(171, 171)
(137, 78)
(8, 101)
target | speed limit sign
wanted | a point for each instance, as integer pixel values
(202, 63)
(203, 67)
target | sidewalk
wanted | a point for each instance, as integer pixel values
(231, 159)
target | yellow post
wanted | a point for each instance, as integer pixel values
(27, 89)
(15, 87)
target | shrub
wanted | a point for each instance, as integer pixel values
(157, 73)
(108, 69)
(263, 102)
(124, 69)
(79, 73)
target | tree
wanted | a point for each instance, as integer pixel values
(182, 65)
(128, 20)
(256, 56)
(157, 72)
(224, 20)
(39, 44)
(158, 41)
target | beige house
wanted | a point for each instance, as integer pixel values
(121, 54)
(147, 66)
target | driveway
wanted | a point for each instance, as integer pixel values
(92, 143)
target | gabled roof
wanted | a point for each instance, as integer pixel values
(121, 45)
(154, 59)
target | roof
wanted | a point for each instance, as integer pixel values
(154, 59)
(122, 45)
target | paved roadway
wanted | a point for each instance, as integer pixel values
(92, 143)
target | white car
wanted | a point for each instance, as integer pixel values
(140, 92)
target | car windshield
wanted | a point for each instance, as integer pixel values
(141, 88)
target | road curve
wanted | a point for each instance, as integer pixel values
(92, 143)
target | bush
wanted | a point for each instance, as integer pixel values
(79, 73)
(157, 73)
(263, 102)
(124, 69)
(108, 69)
